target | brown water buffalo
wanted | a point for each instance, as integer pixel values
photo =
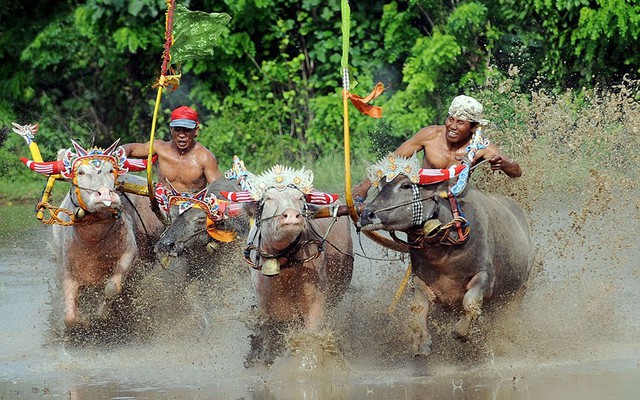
(299, 266)
(494, 259)
(94, 239)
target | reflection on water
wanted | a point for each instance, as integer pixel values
(575, 336)
(611, 380)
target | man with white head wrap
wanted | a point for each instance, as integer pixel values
(468, 109)
(447, 145)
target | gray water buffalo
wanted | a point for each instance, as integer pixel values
(459, 259)
(94, 231)
(198, 235)
(299, 266)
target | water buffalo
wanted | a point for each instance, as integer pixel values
(454, 264)
(299, 266)
(94, 231)
(195, 236)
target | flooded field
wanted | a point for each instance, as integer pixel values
(575, 335)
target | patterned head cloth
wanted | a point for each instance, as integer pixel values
(468, 109)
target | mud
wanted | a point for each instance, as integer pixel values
(574, 335)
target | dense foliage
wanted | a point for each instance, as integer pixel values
(84, 69)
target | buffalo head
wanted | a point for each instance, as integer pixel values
(402, 205)
(198, 222)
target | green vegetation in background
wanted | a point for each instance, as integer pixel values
(29, 190)
(84, 70)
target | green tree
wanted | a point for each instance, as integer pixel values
(84, 69)
(569, 43)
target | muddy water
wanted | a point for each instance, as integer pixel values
(575, 335)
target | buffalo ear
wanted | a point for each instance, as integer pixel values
(314, 208)
(250, 208)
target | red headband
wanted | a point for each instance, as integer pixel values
(184, 112)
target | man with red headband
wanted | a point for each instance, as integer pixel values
(459, 139)
(185, 163)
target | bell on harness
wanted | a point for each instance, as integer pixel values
(271, 266)
(79, 213)
(431, 228)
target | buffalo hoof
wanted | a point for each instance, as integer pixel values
(111, 290)
(423, 350)
(461, 330)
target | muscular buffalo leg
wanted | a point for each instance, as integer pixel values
(477, 288)
(315, 315)
(114, 284)
(70, 290)
(420, 307)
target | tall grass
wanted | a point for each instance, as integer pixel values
(21, 190)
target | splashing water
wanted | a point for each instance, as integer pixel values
(579, 154)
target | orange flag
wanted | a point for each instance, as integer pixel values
(361, 102)
(219, 234)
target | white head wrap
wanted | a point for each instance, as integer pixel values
(468, 109)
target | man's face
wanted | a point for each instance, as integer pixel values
(184, 138)
(457, 130)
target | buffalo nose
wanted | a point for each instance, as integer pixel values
(163, 246)
(104, 192)
(106, 195)
(370, 215)
(367, 216)
(291, 216)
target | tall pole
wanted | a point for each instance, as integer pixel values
(346, 27)
(166, 59)
(346, 24)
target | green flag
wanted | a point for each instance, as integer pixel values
(195, 33)
(346, 24)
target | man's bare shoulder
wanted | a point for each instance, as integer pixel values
(429, 133)
(163, 148)
(420, 141)
(161, 143)
(202, 153)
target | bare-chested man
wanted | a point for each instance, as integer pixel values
(446, 145)
(187, 164)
